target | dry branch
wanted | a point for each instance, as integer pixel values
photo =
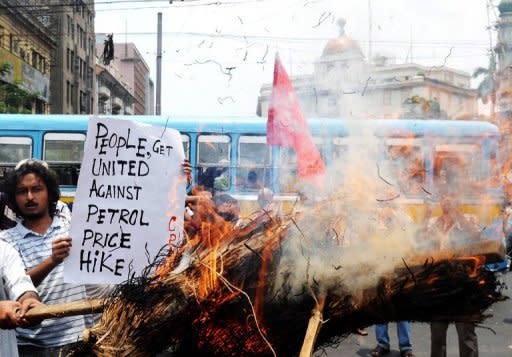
(237, 296)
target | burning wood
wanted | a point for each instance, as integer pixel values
(242, 291)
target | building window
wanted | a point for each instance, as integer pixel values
(70, 25)
(68, 94)
(72, 90)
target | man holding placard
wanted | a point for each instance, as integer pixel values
(42, 239)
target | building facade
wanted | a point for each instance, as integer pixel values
(114, 97)
(26, 46)
(503, 95)
(72, 73)
(345, 85)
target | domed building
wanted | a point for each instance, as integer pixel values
(345, 85)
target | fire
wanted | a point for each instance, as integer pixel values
(474, 263)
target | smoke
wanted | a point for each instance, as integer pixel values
(361, 229)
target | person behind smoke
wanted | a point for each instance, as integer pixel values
(227, 207)
(388, 219)
(507, 227)
(252, 181)
(452, 228)
(265, 198)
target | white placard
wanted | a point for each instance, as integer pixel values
(129, 201)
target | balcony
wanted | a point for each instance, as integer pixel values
(103, 93)
(128, 110)
(117, 104)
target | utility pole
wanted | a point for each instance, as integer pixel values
(370, 29)
(410, 44)
(158, 108)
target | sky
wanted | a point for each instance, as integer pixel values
(218, 53)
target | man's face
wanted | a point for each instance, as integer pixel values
(32, 197)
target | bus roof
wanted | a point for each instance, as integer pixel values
(257, 125)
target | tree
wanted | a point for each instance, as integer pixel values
(14, 99)
(488, 85)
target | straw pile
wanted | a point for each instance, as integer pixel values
(228, 293)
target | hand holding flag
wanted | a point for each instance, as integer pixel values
(287, 127)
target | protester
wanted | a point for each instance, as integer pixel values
(265, 198)
(7, 216)
(228, 208)
(450, 229)
(388, 220)
(42, 240)
(16, 286)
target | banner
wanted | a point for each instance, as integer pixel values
(129, 201)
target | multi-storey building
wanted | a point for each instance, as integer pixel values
(345, 85)
(134, 74)
(113, 95)
(72, 72)
(26, 46)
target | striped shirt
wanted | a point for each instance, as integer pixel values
(14, 282)
(34, 248)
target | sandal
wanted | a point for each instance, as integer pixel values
(380, 351)
(407, 353)
(362, 332)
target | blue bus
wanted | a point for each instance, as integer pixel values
(230, 154)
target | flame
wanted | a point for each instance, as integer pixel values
(475, 263)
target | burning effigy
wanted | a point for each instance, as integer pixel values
(253, 288)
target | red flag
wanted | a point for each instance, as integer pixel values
(287, 127)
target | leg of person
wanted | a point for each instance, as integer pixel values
(468, 341)
(403, 330)
(438, 339)
(381, 332)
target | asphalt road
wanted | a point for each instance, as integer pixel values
(498, 344)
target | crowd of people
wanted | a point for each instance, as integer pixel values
(34, 241)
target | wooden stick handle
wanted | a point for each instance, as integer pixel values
(80, 307)
(314, 325)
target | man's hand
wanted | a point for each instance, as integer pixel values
(9, 314)
(187, 170)
(60, 249)
(28, 303)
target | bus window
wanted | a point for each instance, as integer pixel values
(254, 163)
(186, 145)
(64, 153)
(12, 150)
(407, 168)
(213, 162)
(287, 170)
(459, 167)
(63, 147)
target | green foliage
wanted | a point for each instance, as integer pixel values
(14, 99)
(430, 108)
